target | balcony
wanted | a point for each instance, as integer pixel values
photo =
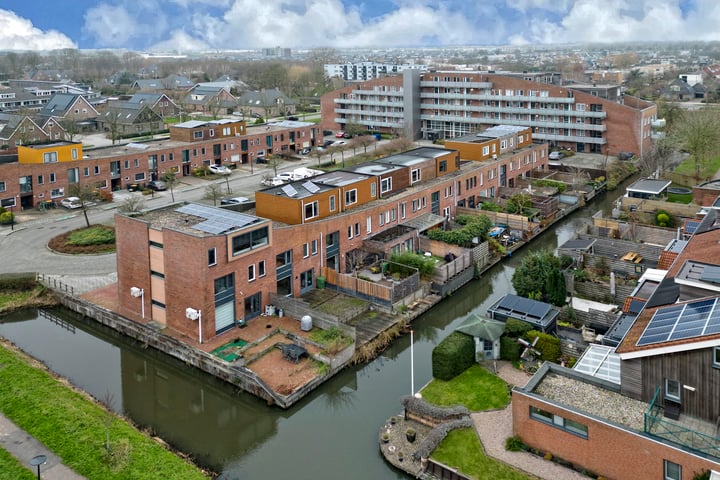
(458, 84)
(689, 432)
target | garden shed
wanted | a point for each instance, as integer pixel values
(542, 316)
(486, 332)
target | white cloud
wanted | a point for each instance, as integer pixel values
(19, 34)
(180, 42)
(115, 26)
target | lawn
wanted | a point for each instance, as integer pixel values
(11, 468)
(688, 167)
(461, 449)
(75, 428)
(476, 388)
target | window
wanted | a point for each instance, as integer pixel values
(314, 247)
(385, 185)
(311, 210)
(261, 268)
(73, 175)
(2, 186)
(50, 157)
(570, 426)
(486, 150)
(306, 250)
(351, 197)
(140, 176)
(86, 171)
(443, 166)
(350, 231)
(156, 244)
(403, 208)
(415, 175)
(672, 390)
(284, 258)
(250, 240)
(357, 229)
(52, 178)
(212, 260)
(96, 169)
(197, 135)
(671, 471)
(225, 283)
(716, 355)
(40, 180)
(74, 153)
(332, 203)
(127, 164)
(373, 190)
(368, 224)
(251, 272)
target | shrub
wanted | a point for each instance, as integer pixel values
(92, 236)
(548, 456)
(6, 218)
(514, 444)
(474, 226)
(509, 349)
(516, 328)
(452, 356)
(548, 345)
(663, 219)
(425, 265)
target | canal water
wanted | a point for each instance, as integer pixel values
(331, 434)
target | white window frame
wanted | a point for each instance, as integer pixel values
(261, 269)
(415, 175)
(214, 257)
(314, 247)
(385, 185)
(251, 272)
(351, 197)
(306, 250)
(674, 385)
(315, 210)
(667, 475)
(716, 357)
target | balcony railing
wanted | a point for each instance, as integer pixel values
(679, 432)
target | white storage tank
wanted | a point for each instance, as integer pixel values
(306, 323)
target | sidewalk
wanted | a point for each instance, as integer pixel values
(24, 447)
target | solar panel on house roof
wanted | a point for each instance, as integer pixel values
(691, 226)
(710, 273)
(679, 322)
(289, 190)
(311, 187)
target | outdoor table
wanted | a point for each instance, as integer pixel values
(293, 352)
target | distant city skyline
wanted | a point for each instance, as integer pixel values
(187, 25)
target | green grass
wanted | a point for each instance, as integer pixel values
(11, 468)
(74, 427)
(688, 167)
(95, 235)
(461, 449)
(14, 297)
(475, 388)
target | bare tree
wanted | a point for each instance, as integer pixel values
(274, 161)
(86, 194)
(213, 192)
(171, 179)
(365, 141)
(132, 205)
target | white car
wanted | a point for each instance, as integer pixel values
(71, 202)
(220, 169)
(556, 155)
(234, 201)
(287, 176)
(273, 182)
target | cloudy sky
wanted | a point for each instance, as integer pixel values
(181, 25)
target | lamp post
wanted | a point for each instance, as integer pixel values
(412, 366)
(139, 293)
(193, 314)
(38, 460)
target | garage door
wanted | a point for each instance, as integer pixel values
(224, 316)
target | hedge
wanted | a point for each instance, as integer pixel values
(452, 356)
(547, 345)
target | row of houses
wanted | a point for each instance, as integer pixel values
(45, 171)
(231, 263)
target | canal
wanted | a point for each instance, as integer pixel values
(330, 434)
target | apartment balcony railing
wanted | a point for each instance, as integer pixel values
(519, 110)
(685, 431)
(443, 84)
(367, 113)
(375, 123)
(359, 101)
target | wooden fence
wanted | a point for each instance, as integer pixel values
(442, 273)
(356, 286)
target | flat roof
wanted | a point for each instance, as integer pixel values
(647, 185)
(200, 219)
(414, 156)
(43, 146)
(521, 308)
(374, 168)
(578, 244)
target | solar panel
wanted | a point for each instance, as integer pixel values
(679, 322)
(289, 190)
(691, 226)
(311, 187)
(711, 273)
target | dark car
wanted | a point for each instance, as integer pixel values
(293, 119)
(327, 143)
(157, 185)
(625, 155)
(261, 160)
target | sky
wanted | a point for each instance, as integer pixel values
(185, 25)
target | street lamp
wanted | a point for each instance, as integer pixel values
(139, 293)
(193, 314)
(38, 460)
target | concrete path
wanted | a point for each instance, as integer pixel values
(24, 447)
(493, 427)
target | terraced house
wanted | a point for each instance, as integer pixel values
(230, 263)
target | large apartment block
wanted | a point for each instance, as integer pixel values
(445, 105)
(230, 263)
(353, 72)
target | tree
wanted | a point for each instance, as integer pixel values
(213, 192)
(365, 141)
(86, 194)
(699, 135)
(317, 153)
(171, 180)
(539, 275)
(133, 205)
(519, 203)
(70, 127)
(274, 161)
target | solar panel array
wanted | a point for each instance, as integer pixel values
(289, 190)
(217, 221)
(679, 322)
(691, 226)
(711, 273)
(524, 306)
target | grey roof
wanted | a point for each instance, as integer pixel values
(373, 168)
(58, 105)
(619, 329)
(578, 244)
(415, 156)
(521, 308)
(147, 98)
(481, 327)
(424, 221)
(126, 112)
(264, 98)
(647, 185)
(666, 293)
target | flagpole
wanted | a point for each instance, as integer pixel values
(412, 365)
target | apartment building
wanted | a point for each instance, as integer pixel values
(361, 71)
(445, 105)
(44, 172)
(228, 263)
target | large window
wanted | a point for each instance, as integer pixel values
(284, 258)
(385, 185)
(672, 471)
(415, 175)
(50, 157)
(311, 210)
(250, 240)
(559, 422)
(332, 203)
(351, 197)
(212, 257)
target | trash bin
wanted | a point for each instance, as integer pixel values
(320, 282)
(280, 312)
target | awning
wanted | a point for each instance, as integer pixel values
(424, 222)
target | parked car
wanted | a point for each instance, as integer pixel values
(158, 185)
(287, 176)
(337, 143)
(293, 119)
(261, 160)
(220, 169)
(234, 200)
(347, 135)
(272, 182)
(327, 143)
(556, 155)
(71, 202)
(625, 155)
(304, 151)
(340, 134)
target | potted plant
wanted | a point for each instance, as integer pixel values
(410, 434)
(385, 437)
(400, 456)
